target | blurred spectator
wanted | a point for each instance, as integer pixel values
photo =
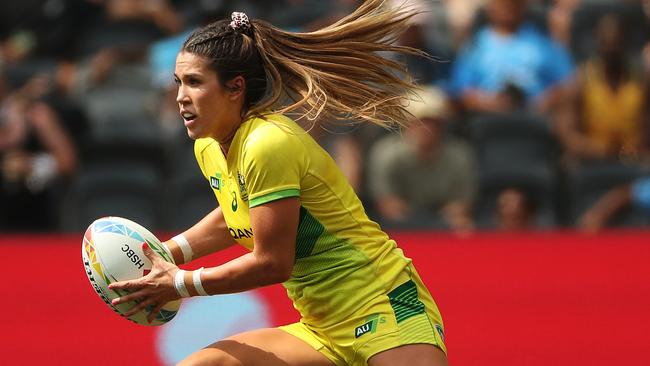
(113, 80)
(115, 83)
(515, 209)
(509, 64)
(461, 15)
(636, 193)
(560, 14)
(35, 152)
(349, 146)
(604, 116)
(417, 178)
(158, 12)
(428, 32)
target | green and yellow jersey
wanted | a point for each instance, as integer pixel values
(343, 259)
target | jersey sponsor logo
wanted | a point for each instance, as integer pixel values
(241, 233)
(215, 181)
(233, 204)
(370, 326)
(242, 186)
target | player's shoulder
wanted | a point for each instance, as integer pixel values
(201, 144)
(273, 131)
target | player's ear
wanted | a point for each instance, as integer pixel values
(236, 86)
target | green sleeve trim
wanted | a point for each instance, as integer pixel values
(273, 196)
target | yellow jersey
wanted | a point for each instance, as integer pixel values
(343, 259)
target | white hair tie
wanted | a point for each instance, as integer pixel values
(239, 21)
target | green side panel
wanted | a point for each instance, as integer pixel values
(309, 230)
(323, 264)
(405, 302)
(417, 329)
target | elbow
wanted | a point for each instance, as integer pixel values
(281, 273)
(275, 271)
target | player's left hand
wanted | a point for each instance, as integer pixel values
(155, 289)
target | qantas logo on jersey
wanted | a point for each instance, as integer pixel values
(241, 233)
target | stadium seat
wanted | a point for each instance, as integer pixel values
(129, 189)
(124, 178)
(587, 183)
(133, 130)
(17, 74)
(126, 149)
(116, 34)
(189, 199)
(515, 151)
(108, 105)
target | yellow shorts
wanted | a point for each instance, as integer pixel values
(405, 315)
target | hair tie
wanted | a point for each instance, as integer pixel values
(239, 21)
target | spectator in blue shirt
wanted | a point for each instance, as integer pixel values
(510, 64)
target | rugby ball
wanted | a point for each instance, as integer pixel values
(112, 251)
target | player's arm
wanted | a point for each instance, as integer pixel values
(207, 236)
(275, 225)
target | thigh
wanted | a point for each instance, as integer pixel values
(271, 346)
(410, 355)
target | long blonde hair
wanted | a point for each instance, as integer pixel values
(335, 73)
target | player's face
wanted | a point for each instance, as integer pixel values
(208, 108)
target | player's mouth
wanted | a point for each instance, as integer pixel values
(188, 117)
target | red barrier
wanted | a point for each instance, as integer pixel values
(557, 298)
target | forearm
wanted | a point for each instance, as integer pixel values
(611, 203)
(240, 274)
(207, 236)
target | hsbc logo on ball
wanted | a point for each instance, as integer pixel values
(135, 259)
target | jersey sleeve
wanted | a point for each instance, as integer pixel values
(273, 160)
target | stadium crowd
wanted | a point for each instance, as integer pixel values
(534, 114)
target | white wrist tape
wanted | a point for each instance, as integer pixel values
(198, 285)
(179, 283)
(182, 242)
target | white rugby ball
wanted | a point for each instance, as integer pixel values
(112, 252)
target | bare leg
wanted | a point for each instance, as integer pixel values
(410, 355)
(269, 347)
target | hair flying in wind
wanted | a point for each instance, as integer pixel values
(336, 73)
